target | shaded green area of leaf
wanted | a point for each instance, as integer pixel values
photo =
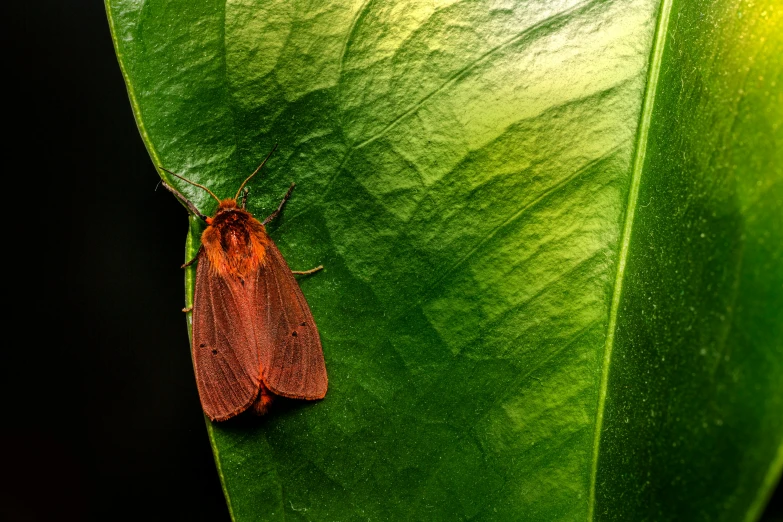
(695, 394)
(464, 173)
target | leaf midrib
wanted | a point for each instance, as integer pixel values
(648, 103)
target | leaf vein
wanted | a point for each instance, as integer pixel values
(656, 56)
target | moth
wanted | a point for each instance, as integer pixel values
(254, 336)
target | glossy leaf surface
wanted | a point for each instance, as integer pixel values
(552, 237)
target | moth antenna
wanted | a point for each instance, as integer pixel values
(256, 171)
(192, 183)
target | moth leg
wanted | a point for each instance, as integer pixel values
(244, 197)
(195, 258)
(307, 272)
(182, 198)
(274, 214)
(188, 309)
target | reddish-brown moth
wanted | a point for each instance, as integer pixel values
(253, 334)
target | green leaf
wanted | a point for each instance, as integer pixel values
(553, 240)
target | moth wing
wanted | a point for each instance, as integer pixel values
(292, 360)
(225, 358)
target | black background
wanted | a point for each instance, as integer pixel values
(102, 419)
